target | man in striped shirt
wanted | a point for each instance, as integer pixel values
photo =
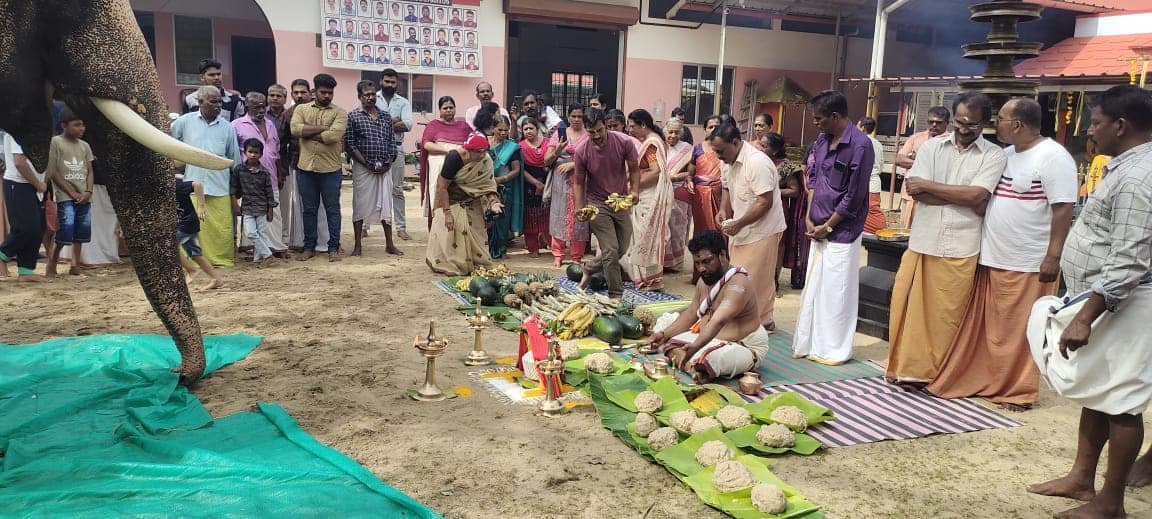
(1025, 226)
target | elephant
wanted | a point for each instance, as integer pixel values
(92, 55)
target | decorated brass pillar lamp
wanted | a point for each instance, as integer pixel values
(431, 347)
(478, 322)
(550, 370)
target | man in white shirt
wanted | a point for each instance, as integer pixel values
(484, 94)
(952, 180)
(24, 189)
(754, 218)
(875, 220)
(1025, 225)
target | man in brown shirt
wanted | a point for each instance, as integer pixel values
(320, 125)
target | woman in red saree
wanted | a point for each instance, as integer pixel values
(681, 169)
(535, 150)
(706, 182)
(440, 136)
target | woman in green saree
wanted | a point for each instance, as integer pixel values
(506, 166)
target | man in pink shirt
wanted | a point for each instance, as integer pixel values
(606, 163)
(256, 125)
(938, 119)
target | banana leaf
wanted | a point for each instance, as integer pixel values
(612, 417)
(763, 409)
(738, 504)
(680, 459)
(500, 314)
(710, 398)
(745, 437)
(574, 369)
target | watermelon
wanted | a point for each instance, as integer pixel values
(597, 282)
(495, 283)
(476, 284)
(575, 272)
(632, 329)
(488, 296)
(607, 329)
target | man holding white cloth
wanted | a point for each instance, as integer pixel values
(1104, 348)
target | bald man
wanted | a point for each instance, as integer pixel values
(484, 94)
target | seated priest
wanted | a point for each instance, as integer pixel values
(719, 335)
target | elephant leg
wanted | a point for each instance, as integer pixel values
(105, 56)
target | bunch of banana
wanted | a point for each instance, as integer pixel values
(578, 317)
(619, 202)
(588, 212)
(462, 283)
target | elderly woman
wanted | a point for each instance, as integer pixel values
(440, 136)
(644, 261)
(506, 167)
(681, 169)
(466, 195)
(565, 228)
(761, 127)
(537, 157)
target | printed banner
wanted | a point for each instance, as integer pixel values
(420, 37)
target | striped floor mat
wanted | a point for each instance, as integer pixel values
(870, 410)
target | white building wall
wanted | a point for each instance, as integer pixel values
(1114, 25)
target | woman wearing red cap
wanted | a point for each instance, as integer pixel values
(465, 195)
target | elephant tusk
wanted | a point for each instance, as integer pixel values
(130, 122)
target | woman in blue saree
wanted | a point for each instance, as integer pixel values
(506, 167)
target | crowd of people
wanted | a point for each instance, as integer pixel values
(991, 229)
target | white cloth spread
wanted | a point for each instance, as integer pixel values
(1109, 374)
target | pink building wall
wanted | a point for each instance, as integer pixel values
(223, 29)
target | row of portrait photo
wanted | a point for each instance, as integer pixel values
(397, 33)
(402, 12)
(402, 56)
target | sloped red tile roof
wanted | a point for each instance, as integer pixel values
(1100, 5)
(1091, 56)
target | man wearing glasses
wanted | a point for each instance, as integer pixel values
(951, 181)
(937, 125)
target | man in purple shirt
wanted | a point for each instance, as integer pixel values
(606, 164)
(257, 125)
(842, 158)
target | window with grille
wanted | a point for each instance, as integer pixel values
(698, 92)
(192, 38)
(571, 87)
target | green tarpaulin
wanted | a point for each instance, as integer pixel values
(98, 427)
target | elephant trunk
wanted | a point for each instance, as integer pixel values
(103, 55)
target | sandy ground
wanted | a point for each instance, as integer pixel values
(337, 355)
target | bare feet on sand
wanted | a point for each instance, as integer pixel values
(1093, 510)
(268, 262)
(76, 271)
(32, 278)
(355, 251)
(394, 251)
(557, 263)
(403, 235)
(306, 255)
(334, 257)
(1067, 486)
(3, 269)
(1141, 473)
(213, 285)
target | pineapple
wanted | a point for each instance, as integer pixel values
(513, 301)
(523, 291)
(645, 317)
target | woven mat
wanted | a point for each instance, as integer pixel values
(870, 410)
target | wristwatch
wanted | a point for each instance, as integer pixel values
(827, 228)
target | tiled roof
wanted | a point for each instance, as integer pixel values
(1101, 5)
(1092, 56)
